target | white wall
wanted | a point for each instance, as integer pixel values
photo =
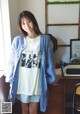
(13, 11)
(38, 8)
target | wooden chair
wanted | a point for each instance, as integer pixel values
(76, 99)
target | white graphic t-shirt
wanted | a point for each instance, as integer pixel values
(29, 68)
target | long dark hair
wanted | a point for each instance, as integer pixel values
(30, 16)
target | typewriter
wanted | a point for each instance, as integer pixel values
(72, 68)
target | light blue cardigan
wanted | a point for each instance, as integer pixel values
(47, 71)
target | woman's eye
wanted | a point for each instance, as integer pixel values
(22, 23)
(29, 21)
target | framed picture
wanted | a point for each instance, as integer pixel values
(75, 48)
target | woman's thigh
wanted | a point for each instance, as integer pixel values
(33, 107)
(25, 108)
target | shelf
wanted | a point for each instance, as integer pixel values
(64, 24)
(53, 25)
(64, 2)
(61, 45)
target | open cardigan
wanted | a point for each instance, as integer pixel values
(47, 70)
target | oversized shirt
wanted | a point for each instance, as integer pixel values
(29, 68)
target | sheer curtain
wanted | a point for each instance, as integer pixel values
(5, 36)
(2, 55)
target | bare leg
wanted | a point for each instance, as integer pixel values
(33, 108)
(25, 108)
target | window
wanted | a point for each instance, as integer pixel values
(5, 37)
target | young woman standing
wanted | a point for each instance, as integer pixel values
(31, 66)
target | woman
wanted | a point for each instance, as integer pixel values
(31, 66)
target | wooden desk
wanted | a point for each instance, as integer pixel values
(60, 96)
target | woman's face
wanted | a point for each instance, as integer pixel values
(27, 25)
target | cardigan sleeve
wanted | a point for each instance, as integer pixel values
(50, 69)
(10, 67)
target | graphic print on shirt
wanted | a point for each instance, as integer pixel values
(30, 60)
(23, 59)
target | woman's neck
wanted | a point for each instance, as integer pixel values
(34, 35)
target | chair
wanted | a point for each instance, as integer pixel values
(4, 89)
(76, 99)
